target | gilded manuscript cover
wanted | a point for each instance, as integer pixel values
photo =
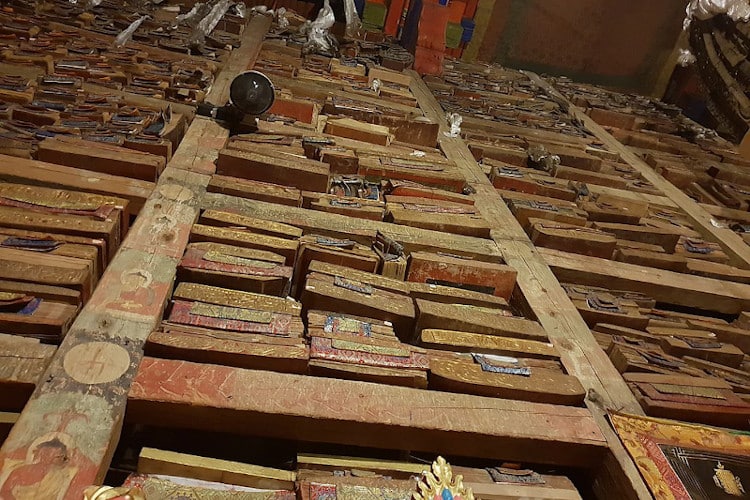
(162, 487)
(685, 461)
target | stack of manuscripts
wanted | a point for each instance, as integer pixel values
(54, 246)
(681, 340)
(255, 293)
(679, 365)
(82, 101)
(168, 474)
(702, 165)
(86, 128)
(631, 260)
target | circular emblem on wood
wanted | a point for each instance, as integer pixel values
(96, 362)
(176, 192)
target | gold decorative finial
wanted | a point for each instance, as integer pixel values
(439, 484)
(111, 493)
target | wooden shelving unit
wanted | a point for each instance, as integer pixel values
(99, 372)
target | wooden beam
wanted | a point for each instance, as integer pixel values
(732, 244)
(81, 400)
(314, 461)
(501, 491)
(298, 407)
(664, 286)
(35, 172)
(579, 351)
(170, 463)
